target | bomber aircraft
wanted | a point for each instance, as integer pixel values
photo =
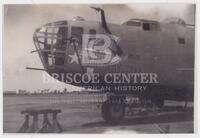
(150, 60)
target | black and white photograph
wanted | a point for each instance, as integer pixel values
(99, 68)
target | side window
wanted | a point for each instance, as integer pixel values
(59, 58)
(150, 26)
(62, 31)
(92, 31)
(146, 26)
(181, 40)
(77, 33)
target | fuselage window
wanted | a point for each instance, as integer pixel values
(77, 34)
(146, 26)
(92, 31)
(181, 40)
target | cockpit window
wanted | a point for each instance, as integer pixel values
(133, 23)
(146, 25)
(63, 31)
(77, 33)
(150, 26)
(61, 46)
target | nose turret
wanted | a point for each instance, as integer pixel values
(51, 41)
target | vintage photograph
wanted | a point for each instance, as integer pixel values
(98, 68)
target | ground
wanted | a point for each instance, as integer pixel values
(81, 114)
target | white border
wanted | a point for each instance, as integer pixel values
(93, 1)
(197, 68)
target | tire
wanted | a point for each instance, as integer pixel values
(104, 111)
(113, 112)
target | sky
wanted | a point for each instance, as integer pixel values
(20, 21)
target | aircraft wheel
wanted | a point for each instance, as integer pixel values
(104, 109)
(113, 112)
(160, 102)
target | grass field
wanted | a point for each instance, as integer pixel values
(80, 114)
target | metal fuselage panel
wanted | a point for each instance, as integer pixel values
(161, 52)
(168, 52)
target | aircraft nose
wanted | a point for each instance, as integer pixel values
(58, 50)
(51, 41)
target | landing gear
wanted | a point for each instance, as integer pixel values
(113, 110)
(159, 101)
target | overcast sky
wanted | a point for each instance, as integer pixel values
(20, 21)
